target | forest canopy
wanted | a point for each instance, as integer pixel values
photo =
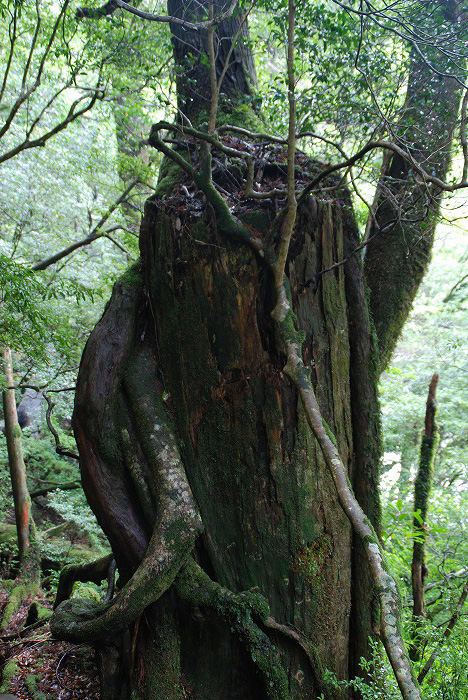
(233, 319)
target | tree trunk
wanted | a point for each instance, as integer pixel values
(266, 499)
(28, 580)
(406, 207)
(192, 67)
(21, 497)
(267, 502)
(422, 492)
(185, 420)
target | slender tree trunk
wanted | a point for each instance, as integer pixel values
(422, 492)
(21, 497)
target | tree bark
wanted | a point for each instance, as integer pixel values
(422, 492)
(266, 499)
(406, 207)
(21, 499)
(192, 68)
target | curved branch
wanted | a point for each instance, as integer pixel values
(95, 571)
(67, 486)
(93, 236)
(110, 7)
(385, 584)
(60, 450)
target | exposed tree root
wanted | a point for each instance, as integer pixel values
(240, 610)
(95, 571)
(176, 528)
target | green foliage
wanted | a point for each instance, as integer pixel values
(29, 310)
(88, 591)
(448, 678)
(9, 673)
(74, 509)
(380, 682)
(334, 99)
(432, 341)
(350, 87)
(446, 681)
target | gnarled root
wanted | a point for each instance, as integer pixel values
(240, 610)
(95, 571)
(176, 528)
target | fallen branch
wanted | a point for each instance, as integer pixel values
(67, 486)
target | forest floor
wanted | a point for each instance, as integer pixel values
(36, 667)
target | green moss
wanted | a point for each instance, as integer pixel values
(176, 536)
(310, 561)
(86, 592)
(240, 114)
(43, 612)
(10, 672)
(423, 483)
(239, 610)
(169, 175)
(331, 435)
(132, 275)
(31, 681)
(8, 541)
(161, 661)
(18, 593)
(260, 220)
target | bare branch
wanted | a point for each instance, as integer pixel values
(71, 117)
(33, 46)
(59, 448)
(110, 7)
(64, 486)
(93, 236)
(454, 288)
(26, 93)
(12, 35)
